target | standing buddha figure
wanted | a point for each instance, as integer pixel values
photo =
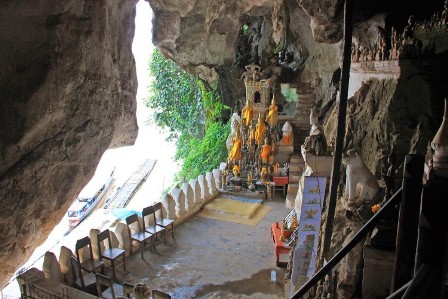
(235, 152)
(260, 130)
(248, 113)
(271, 118)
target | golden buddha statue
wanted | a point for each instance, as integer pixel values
(272, 118)
(265, 151)
(248, 113)
(260, 130)
(235, 152)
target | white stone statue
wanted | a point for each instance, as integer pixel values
(316, 143)
(358, 175)
(287, 137)
(235, 122)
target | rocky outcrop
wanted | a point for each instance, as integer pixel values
(67, 89)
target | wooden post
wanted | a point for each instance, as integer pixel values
(432, 241)
(406, 242)
(340, 133)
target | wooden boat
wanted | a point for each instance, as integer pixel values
(86, 201)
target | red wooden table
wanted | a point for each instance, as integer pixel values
(280, 250)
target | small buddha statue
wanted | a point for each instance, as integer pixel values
(235, 153)
(260, 130)
(316, 143)
(286, 134)
(272, 118)
(265, 151)
(248, 113)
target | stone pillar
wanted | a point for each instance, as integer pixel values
(121, 232)
(149, 220)
(114, 240)
(189, 196)
(51, 267)
(169, 206)
(205, 192)
(94, 242)
(66, 267)
(211, 184)
(197, 191)
(217, 176)
(179, 198)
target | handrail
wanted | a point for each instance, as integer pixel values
(398, 293)
(347, 248)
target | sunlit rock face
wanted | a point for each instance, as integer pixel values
(67, 93)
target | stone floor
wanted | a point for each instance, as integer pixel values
(213, 259)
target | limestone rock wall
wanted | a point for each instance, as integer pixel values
(67, 90)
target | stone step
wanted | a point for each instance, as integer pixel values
(305, 105)
(306, 96)
(296, 159)
(293, 188)
(294, 178)
(295, 167)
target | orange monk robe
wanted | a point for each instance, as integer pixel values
(259, 132)
(235, 152)
(248, 114)
(287, 140)
(265, 152)
(271, 118)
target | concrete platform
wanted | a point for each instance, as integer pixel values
(213, 259)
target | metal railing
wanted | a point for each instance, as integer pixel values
(395, 199)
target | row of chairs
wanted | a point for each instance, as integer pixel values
(87, 262)
(152, 231)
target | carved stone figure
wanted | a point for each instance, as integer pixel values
(358, 175)
(287, 134)
(408, 31)
(252, 72)
(316, 143)
(383, 46)
(235, 121)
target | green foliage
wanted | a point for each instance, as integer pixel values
(176, 98)
(245, 29)
(192, 112)
(200, 155)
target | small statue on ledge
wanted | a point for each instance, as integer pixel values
(316, 143)
(357, 173)
(286, 134)
(266, 151)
